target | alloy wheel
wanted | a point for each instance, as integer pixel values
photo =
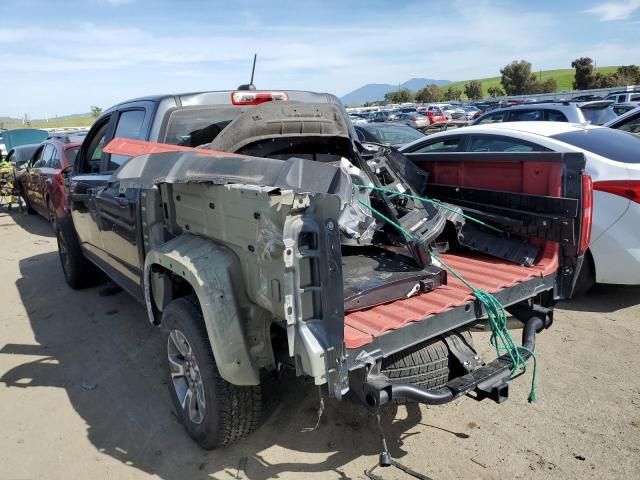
(185, 376)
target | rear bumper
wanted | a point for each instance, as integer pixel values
(488, 381)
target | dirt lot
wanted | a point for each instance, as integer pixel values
(83, 395)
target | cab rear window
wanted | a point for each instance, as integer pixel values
(195, 126)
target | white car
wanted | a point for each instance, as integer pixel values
(613, 161)
(453, 112)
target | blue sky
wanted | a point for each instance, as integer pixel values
(62, 56)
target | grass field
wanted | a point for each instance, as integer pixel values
(564, 79)
(69, 121)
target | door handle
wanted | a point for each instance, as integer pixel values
(122, 201)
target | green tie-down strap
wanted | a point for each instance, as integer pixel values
(500, 337)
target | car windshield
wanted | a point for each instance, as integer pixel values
(598, 116)
(394, 134)
(607, 142)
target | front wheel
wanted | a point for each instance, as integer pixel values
(78, 271)
(214, 412)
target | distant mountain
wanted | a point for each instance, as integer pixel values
(376, 91)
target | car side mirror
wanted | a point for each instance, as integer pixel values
(67, 171)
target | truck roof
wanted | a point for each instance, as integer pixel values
(224, 97)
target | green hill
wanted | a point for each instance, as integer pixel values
(563, 77)
(76, 120)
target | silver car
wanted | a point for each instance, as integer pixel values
(596, 113)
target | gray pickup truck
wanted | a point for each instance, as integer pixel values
(259, 234)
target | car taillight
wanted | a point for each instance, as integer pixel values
(251, 97)
(587, 214)
(629, 189)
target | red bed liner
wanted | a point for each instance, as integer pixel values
(488, 273)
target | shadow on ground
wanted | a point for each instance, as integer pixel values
(604, 299)
(34, 224)
(110, 362)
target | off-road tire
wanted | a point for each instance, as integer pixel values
(235, 410)
(425, 365)
(78, 271)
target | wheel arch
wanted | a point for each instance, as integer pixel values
(213, 273)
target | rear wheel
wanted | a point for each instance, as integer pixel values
(78, 271)
(586, 276)
(214, 412)
(30, 209)
(52, 214)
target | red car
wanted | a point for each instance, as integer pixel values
(41, 181)
(435, 114)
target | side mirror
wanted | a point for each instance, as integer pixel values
(67, 171)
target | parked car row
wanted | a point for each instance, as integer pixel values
(39, 168)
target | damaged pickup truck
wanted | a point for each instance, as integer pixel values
(259, 234)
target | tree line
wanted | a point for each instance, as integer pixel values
(518, 78)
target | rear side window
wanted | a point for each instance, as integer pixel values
(525, 116)
(491, 143)
(621, 98)
(556, 116)
(442, 146)
(635, 98)
(619, 110)
(607, 142)
(632, 125)
(129, 125)
(497, 117)
(54, 161)
(70, 154)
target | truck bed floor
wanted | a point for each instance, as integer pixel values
(488, 273)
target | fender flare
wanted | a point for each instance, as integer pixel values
(215, 274)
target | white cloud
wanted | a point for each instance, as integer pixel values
(615, 10)
(89, 64)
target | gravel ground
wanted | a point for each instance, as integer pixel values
(83, 394)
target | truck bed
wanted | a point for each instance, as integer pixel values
(488, 273)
